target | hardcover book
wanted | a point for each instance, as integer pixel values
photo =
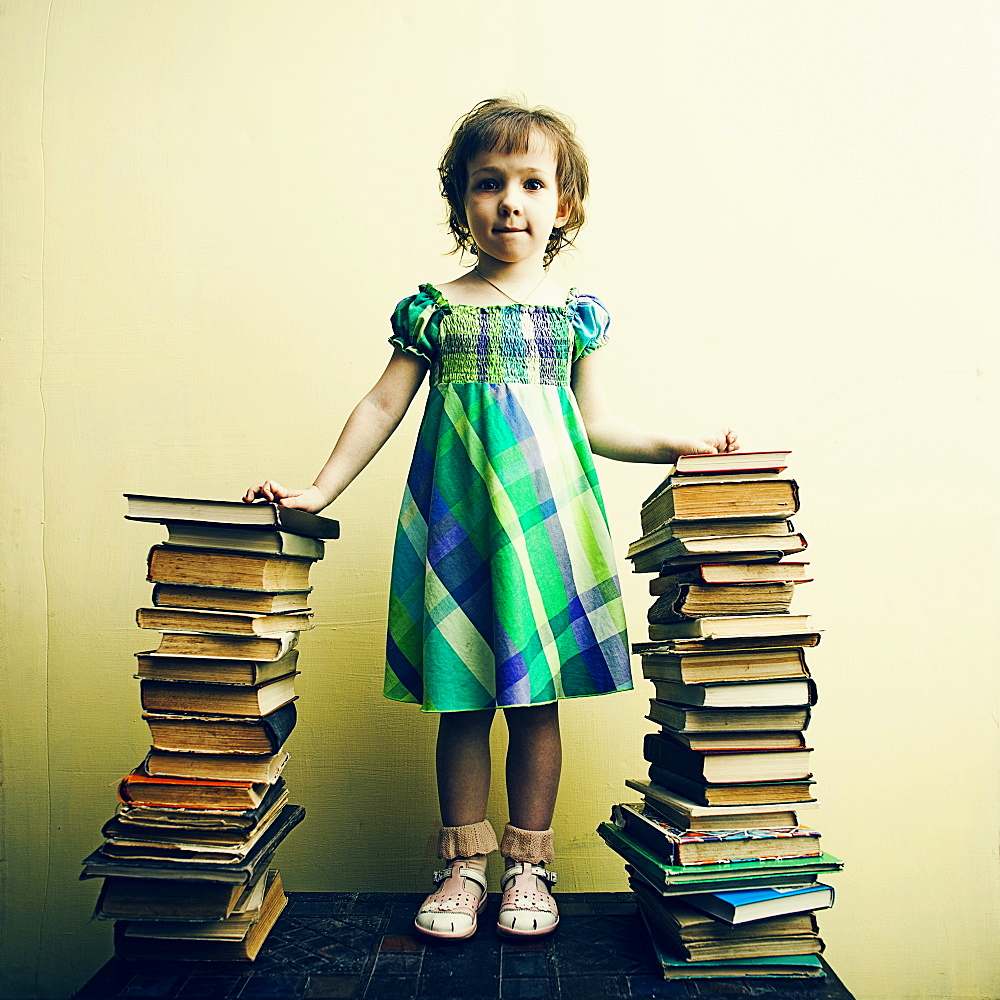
(747, 905)
(235, 513)
(684, 880)
(99, 865)
(217, 569)
(686, 814)
(678, 846)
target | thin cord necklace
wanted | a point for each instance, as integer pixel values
(516, 302)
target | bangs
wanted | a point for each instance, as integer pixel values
(507, 134)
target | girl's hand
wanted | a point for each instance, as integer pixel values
(309, 499)
(712, 444)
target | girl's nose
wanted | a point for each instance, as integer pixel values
(510, 203)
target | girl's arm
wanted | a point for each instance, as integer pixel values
(368, 428)
(624, 442)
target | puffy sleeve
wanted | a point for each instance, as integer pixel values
(590, 322)
(416, 322)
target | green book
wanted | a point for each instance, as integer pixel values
(786, 966)
(687, 879)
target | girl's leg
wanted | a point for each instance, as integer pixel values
(534, 762)
(463, 773)
(463, 766)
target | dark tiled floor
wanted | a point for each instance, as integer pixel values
(361, 946)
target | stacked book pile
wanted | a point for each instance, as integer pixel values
(725, 873)
(185, 860)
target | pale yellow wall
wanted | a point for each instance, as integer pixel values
(209, 209)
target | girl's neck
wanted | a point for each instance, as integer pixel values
(523, 281)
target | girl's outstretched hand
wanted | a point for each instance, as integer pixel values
(309, 499)
(712, 444)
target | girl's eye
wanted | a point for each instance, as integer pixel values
(534, 184)
(486, 184)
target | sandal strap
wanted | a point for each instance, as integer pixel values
(470, 873)
(537, 870)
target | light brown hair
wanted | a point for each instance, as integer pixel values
(503, 125)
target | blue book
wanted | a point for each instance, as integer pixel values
(744, 905)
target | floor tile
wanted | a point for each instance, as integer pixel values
(152, 985)
(259, 987)
(391, 988)
(362, 946)
(526, 988)
(199, 987)
(333, 987)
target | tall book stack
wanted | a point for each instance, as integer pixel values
(186, 857)
(724, 871)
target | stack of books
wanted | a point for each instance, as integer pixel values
(725, 873)
(185, 860)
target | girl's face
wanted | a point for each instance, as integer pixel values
(512, 202)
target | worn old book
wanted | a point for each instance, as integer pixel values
(234, 927)
(222, 826)
(772, 967)
(717, 548)
(165, 899)
(222, 622)
(695, 498)
(739, 793)
(727, 766)
(220, 733)
(688, 815)
(213, 669)
(738, 694)
(676, 527)
(747, 906)
(99, 865)
(190, 793)
(733, 461)
(731, 665)
(697, 937)
(258, 602)
(760, 739)
(683, 880)
(230, 647)
(212, 536)
(235, 513)
(682, 601)
(690, 719)
(215, 766)
(755, 464)
(785, 571)
(217, 699)
(679, 846)
(133, 948)
(238, 570)
(128, 841)
(722, 644)
(730, 627)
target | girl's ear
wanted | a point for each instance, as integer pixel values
(562, 216)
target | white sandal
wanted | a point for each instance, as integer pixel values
(452, 910)
(524, 911)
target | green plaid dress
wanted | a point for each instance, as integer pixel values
(504, 591)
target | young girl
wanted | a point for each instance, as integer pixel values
(504, 592)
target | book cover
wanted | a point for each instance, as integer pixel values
(747, 905)
(786, 966)
(164, 510)
(678, 846)
(99, 865)
(684, 880)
